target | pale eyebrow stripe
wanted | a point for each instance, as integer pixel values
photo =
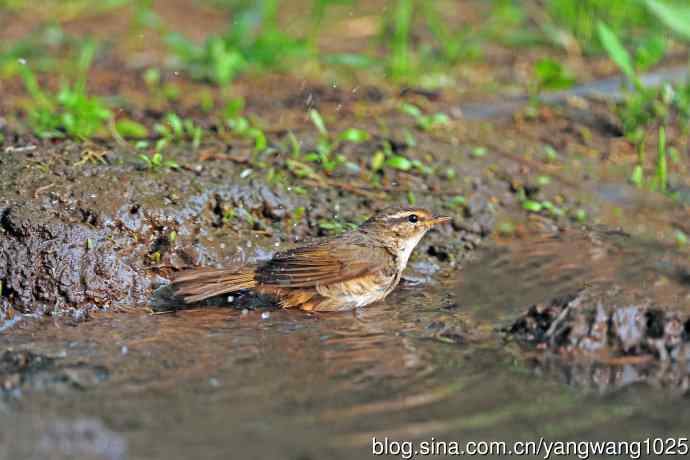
(402, 214)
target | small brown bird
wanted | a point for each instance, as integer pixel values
(338, 273)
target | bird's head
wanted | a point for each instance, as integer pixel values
(402, 228)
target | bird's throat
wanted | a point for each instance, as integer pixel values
(404, 249)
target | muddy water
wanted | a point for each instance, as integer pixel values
(426, 363)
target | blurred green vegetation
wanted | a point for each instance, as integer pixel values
(416, 39)
(253, 39)
(428, 44)
(69, 112)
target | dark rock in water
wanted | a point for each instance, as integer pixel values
(599, 319)
(20, 369)
(14, 365)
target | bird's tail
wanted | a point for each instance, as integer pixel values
(198, 284)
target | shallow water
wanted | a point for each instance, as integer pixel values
(426, 363)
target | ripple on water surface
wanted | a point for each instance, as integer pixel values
(425, 363)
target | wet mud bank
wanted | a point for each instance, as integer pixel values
(77, 236)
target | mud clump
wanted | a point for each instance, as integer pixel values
(15, 366)
(19, 369)
(48, 264)
(600, 321)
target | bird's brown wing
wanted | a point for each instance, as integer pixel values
(322, 264)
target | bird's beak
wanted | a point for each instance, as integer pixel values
(437, 220)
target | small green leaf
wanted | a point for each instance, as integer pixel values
(260, 142)
(318, 122)
(479, 152)
(581, 215)
(298, 213)
(543, 181)
(176, 124)
(354, 135)
(161, 144)
(661, 166)
(458, 201)
(239, 125)
(295, 146)
(552, 75)
(130, 129)
(326, 225)
(411, 110)
(399, 162)
(637, 176)
(440, 118)
(532, 206)
(550, 153)
(410, 140)
(299, 169)
(234, 108)
(152, 77)
(378, 160)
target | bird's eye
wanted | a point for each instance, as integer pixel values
(413, 218)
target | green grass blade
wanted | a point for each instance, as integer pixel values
(675, 16)
(616, 50)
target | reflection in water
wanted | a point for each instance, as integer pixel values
(425, 363)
